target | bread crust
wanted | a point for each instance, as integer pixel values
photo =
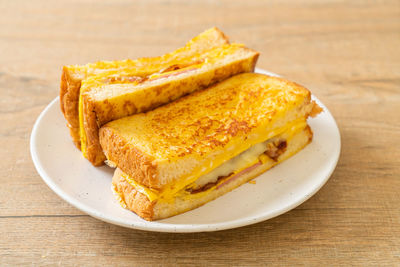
(94, 152)
(136, 201)
(139, 164)
(153, 210)
(69, 102)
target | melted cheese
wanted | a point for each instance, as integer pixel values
(151, 194)
(232, 166)
(240, 162)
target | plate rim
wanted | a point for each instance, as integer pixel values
(156, 226)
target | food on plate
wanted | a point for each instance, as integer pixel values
(95, 94)
(186, 153)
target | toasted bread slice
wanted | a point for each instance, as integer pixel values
(137, 200)
(113, 98)
(73, 75)
(173, 145)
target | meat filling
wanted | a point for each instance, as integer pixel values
(138, 79)
(275, 149)
(124, 79)
(207, 186)
(180, 66)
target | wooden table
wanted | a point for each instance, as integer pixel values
(346, 52)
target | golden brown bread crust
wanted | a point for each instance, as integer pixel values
(63, 89)
(92, 132)
(136, 201)
(69, 102)
(139, 164)
(153, 210)
(315, 110)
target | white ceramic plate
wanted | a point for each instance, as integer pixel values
(277, 191)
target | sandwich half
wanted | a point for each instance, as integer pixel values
(189, 152)
(73, 75)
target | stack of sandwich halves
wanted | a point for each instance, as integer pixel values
(187, 127)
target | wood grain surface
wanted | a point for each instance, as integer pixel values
(346, 52)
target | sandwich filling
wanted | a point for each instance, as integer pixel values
(246, 161)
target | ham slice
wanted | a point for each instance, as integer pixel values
(237, 175)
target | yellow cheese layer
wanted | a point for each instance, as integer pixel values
(170, 193)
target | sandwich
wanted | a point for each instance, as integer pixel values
(184, 154)
(118, 93)
(73, 75)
